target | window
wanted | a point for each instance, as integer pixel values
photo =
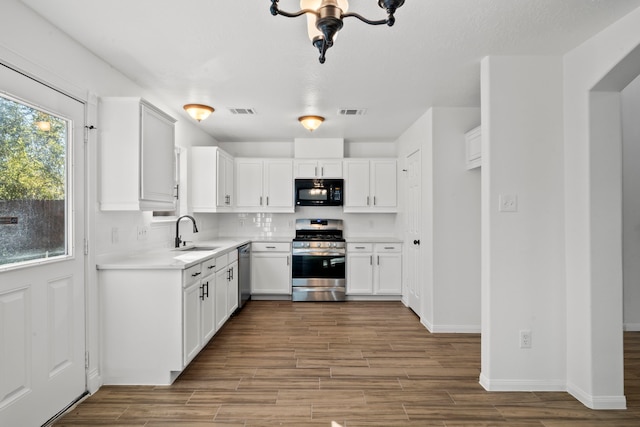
(33, 183)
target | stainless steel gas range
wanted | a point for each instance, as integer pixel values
(318, 268)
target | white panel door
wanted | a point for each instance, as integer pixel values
(413, 279)
(42, 319)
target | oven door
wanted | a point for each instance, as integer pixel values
(318, 265)
(318, 276)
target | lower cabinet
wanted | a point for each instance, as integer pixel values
(154, 322)
(270, 268)
(374, 268)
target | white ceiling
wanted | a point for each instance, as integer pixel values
(235, 54)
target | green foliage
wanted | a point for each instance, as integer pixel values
(32, 159)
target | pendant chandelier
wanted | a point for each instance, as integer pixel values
(324, 19)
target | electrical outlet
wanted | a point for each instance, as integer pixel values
(143, 232)
(508, 203)
(525, 338)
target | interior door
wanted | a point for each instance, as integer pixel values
(412, 233)
(42, 305)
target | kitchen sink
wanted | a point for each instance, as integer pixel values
(197, 248)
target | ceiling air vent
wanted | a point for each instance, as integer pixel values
(352, 112)
(243, 111)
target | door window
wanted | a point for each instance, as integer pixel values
(33, 183)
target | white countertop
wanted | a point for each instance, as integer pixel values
(169, 259)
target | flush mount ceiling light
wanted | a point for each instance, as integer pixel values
(324, 19)
(198, 111)
(311, 123)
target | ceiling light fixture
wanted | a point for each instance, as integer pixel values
(198, 111)
(311, 123)
(324, 19)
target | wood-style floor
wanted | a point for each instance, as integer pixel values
(356, 363)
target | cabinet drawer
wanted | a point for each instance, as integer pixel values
(359, 247)
(191, 275)
(232, 256)
(388, 247)
(270, 247)
(221, 262)
(209, 266)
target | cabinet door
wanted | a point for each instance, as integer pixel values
(224, 165)
(270, 273)
(278, 184)
(203, 179)
(157, 163)
(191, 322)
(306, 168)
(384, 188)
(249, 183)
(330, 169)
(220, 298)
(360, 273)
(389, 273)
(232, 288)
(356, 186)
(207, 304)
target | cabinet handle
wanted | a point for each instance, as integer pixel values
(374, 200)
(260, 200)
(416, 242)
(270, 247)
(196, 274)
(228, 274)
(207, 292)
(231, 270)
(359, 247)
(211, 266)
(267, 200)
(316, 171)
(389, 247)
(287, 259)
(322, 171)
(378, 259)
(370, 259)
(367, 200)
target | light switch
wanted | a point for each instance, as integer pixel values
(508, 203)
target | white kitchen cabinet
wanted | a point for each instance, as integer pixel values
(312, 168)
(155, 321)
(374, 269)
(473, 142)
(370, 185)
(264, 185)
(211, 174)
(137, 156)
(270, 268)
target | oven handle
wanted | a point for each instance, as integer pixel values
(315, 252)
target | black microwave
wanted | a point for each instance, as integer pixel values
(319, 192)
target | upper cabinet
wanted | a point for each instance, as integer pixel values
(370, 185)
(137, 156)
(311, 168)
(264, 185)
(473, 140)
(211, 173)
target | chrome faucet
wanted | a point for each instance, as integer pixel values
(178, 237)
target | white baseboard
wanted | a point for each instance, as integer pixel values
(94, 381)
(597, 402)
(631, 327)
(522, 385)
(450, 329)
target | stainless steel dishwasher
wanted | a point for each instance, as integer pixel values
(244, 274)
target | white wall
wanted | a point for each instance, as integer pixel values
(51, 56)
(523, 251)
(608, 62)
(450, 237)
(631, 204)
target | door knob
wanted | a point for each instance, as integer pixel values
(416, 242)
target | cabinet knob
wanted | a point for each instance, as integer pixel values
(416, 242)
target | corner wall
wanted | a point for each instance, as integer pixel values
(522, 250)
